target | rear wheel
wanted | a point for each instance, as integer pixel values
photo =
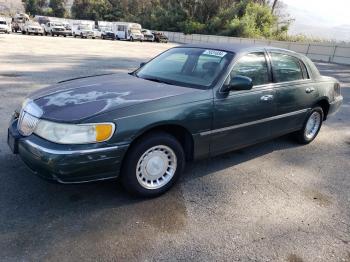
(153, 165)
(311, 127)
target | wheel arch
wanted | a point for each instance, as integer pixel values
(324, 104)
(181, 133)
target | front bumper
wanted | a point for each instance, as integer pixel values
(335, 105)
(67, 163)
(60, 32)
(4, 30)
(88, 34)
(35, 31)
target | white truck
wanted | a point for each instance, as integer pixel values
(83, 30)
(5, 25)
(18, 22)
(128, 31)
(31, 27)
(54, 28)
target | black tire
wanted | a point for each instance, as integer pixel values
(128, 173)
(131, 39)
(300, 136)
(74, 35)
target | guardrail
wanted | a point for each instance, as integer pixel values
(327, 52)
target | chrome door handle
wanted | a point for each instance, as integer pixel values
(266, 98)
(309, 90)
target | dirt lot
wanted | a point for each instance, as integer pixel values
(276, 201)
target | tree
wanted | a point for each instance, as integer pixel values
(58, 8)
(91, 9)
(32, 7)
(247, 18)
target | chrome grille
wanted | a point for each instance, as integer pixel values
(26, 123)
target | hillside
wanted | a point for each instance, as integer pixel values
(8, 7)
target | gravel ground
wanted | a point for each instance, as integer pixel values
(276, 201)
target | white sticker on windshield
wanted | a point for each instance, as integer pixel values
(214, 53)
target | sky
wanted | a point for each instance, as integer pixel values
(321, 19)
(334, 12)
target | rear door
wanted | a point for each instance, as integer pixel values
(242, 117)
(295, 93)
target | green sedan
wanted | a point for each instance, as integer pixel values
(190, 102)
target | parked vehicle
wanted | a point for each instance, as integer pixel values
(5, 26)
(147, 35)
(107, 33)
(18, 22)
(83, 31)
(190, 102)
(128, 31)
(55, 28)
(97, 33)
(68, 28)
(31, 27)
(160, 37)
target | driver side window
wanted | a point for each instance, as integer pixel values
(254, 66)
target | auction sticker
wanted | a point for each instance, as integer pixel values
(214, 53)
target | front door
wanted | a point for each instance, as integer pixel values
(243, 117)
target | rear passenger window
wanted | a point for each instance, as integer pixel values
(303, 68)
(253, 66)
(285, 68)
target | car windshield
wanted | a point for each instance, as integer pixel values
(189, 67)
(105, 29)
(85, 27)
(135, 31)
(2, 22)
(57, 24)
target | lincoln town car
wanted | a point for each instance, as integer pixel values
(190, 102)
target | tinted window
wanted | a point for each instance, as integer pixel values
(121, 28)
(253, 66)
(303, 68)
(285, 68)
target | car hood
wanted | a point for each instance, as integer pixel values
(79, 99)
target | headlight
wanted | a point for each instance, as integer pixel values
(74, 134)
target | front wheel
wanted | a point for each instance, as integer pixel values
(152, 165)
(311, 127)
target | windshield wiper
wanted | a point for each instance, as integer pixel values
(154, 79)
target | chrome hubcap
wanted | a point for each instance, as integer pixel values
(312, 125)
(156, 167)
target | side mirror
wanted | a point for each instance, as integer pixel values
(142, 64)
(239, 83)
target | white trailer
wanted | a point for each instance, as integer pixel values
(127, 31)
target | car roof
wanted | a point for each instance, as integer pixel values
(236, 48)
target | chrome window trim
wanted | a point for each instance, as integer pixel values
(219, 130)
